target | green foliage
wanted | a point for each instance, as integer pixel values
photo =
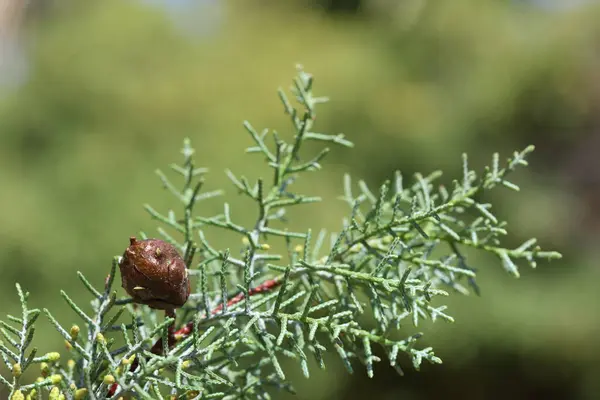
(18, 334)
(354, 292)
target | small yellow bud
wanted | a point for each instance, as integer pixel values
(72, 386)
(55, 379)
(178, 337)
(54, 356)
(80, 394)
(186, 364)
(298, 248)
(100, 338)
(17, 396)
(16, 370)
(108, 379)
(265, 246)
(131, 358)
(45, 368)
(74, 332)
(119, 370)
(245, 241)
(39, 379)
(68, 345)
(33, 393)
(54, 393)
(71, 364)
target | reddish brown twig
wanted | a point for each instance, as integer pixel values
(186, 330)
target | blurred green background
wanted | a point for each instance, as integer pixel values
(95, 95)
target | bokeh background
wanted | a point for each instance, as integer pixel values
(95, 95)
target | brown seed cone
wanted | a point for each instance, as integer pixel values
(153, 273)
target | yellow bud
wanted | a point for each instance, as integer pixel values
(186, 364)
(54, 356)
(119, 370)
(39, 379)
(72, 386)
(45, 369)
(54, 393)
(74, 332)
(33, 393)
(265, 246)
(80, 394)
(55, 379)
(16, 370)
(108, 379)
(245, 241)
(128, 361)
(298, 248)
(178, 337)
(17, 396)
(71, 364)
(100, 338)
(68, 345)
(387, 239)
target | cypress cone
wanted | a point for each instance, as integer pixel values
(153, 273)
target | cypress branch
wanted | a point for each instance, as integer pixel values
(400, 251)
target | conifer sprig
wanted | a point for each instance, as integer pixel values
(359, 292)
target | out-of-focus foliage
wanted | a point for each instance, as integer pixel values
(113, 87)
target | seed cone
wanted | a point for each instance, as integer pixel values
(153, 273)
